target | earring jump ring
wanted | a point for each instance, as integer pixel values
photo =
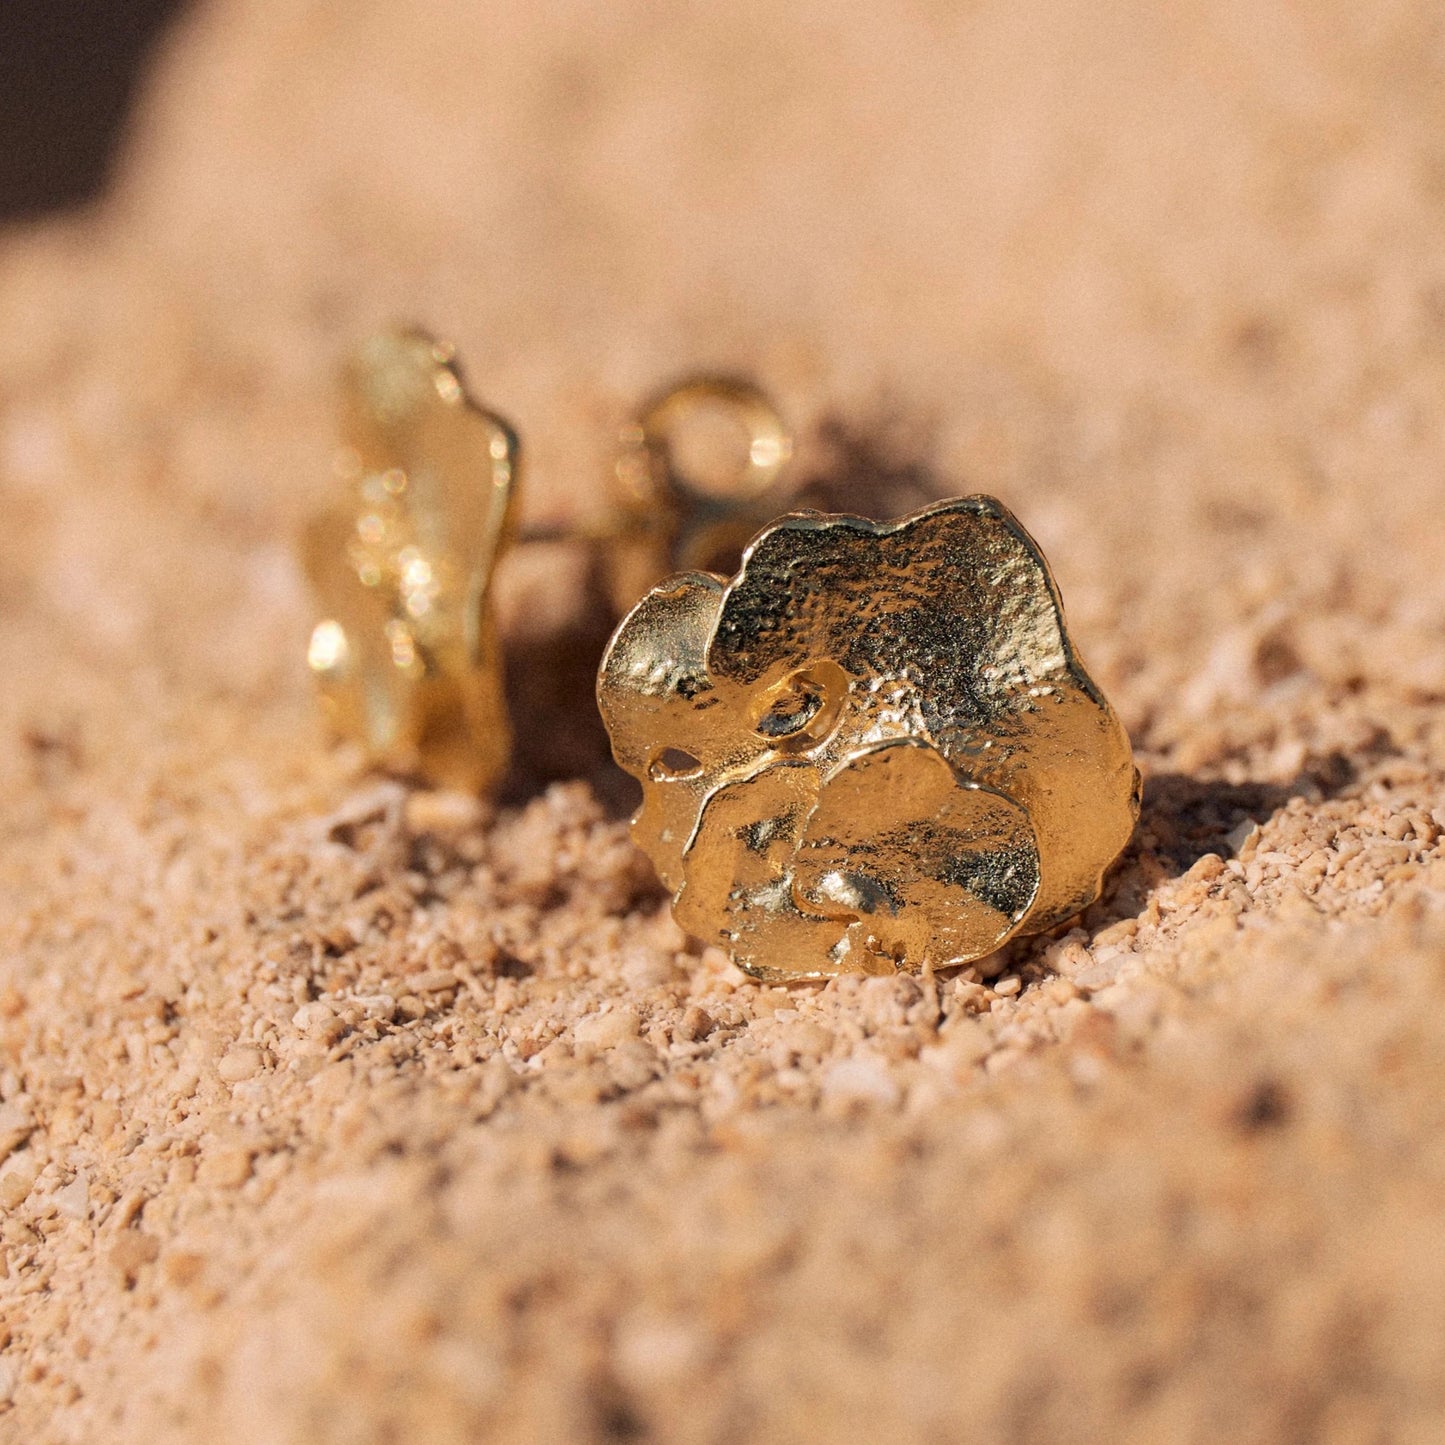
(655, 435)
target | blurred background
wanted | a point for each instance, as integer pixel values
(68, 74)
(1165, 278)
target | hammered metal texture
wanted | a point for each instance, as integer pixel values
(873, 749)
(406, 655)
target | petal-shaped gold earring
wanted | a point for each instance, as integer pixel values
(406, 654)
(872, 748)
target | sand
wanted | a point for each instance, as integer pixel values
(333, 1110)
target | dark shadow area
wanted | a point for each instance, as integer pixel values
(68, 76)
(551, 691)
(1182, 819)
(871, 476)
(1189, 817)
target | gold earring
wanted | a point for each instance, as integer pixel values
(665, 518)
(871, 749)
(406, 654)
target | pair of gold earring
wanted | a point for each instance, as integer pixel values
(873, 748)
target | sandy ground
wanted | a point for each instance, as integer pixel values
(338, 1112)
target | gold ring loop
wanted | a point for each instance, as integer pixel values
(770, 444)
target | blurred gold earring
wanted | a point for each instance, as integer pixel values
(865, 746)
(667, 516)
(406, 653)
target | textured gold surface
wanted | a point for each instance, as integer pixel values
(874, 749)
(406, 655)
